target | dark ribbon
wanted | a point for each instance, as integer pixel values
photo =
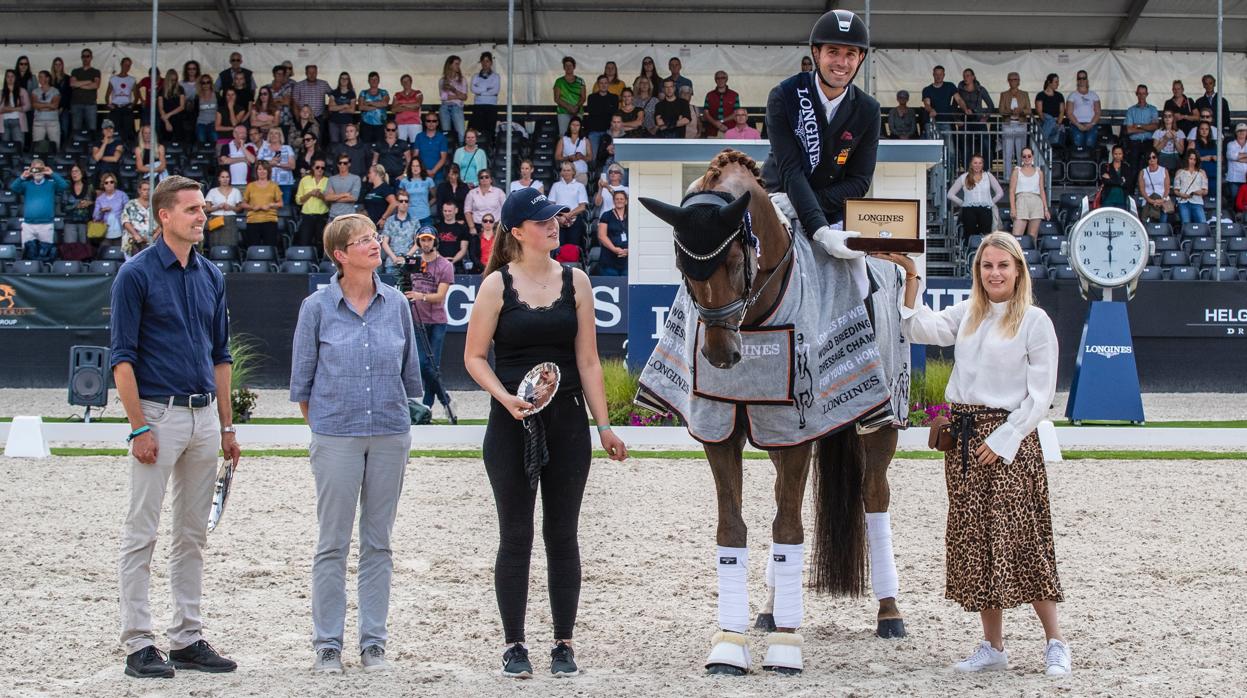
(536, 454)
(962, 425)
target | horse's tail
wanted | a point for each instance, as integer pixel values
(839, 516)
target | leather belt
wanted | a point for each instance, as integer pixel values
(193, 401)
(962, 425)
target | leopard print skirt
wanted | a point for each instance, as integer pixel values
(1000, 550)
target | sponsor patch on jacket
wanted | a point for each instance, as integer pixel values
(843, 156)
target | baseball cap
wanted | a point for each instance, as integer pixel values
(108, 123)
(528, 204)
(1240, 127)
(426, 231)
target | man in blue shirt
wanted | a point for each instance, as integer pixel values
(1141, 122)
(432, 149)
(171, 361)
(40, 187)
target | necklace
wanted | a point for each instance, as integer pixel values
(544, 286)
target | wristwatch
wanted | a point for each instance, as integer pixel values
(229, 430)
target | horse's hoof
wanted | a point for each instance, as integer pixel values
(725, 670)
(766, 621)
(782, 670)
(891, 628)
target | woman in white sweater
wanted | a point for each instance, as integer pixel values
(982, 191)
(1000, 550)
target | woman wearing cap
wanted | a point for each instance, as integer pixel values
(531, 310)
(354, 366)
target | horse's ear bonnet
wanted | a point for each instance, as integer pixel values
(704, 224)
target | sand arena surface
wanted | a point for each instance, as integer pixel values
(1149, 552)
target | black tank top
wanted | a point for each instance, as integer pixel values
(528, 336)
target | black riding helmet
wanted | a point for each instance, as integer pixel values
(843, 28)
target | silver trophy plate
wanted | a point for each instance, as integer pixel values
(539, 386)
(224, 478)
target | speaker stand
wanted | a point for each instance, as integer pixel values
(86, 415)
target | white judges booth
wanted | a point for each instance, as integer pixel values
(662, 169)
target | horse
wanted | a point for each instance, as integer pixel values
(736, 257)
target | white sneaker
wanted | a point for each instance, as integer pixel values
(1057, 659)
(328, 661)
(373, 659)
(985, 658)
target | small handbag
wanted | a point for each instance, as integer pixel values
(941, 435)
(216, 223)
(96, 230)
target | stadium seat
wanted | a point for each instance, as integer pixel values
(1048, 228)
(1082, 172)
(111, 253)
(11, 237)
(1151, 274)
(227, 253)
(1237, 249)
(1200, 249)
(103, 266)
(13, 223)
(8, 197)
(1038, 271)
(226, 266)
(1026, 241)
(303, 253)
(1031, 256)
(1063, 272)
(1055, 258)
(261, 253)
(1058, 171)
(1166, 243)
(1049, 243)
(1174, 258)
(1228, 230)
(973, 243)
(1156, 230)
(1184, 274)
(26, 266)
(66, 266)
(1195, 230)
(296, 266)
(1081, 154)
(1219, 273)
(253, 266)
(9, 253)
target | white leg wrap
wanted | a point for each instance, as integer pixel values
(882, 564)
(733, 594)
(770, 572)
(783, 650)
(788, 562)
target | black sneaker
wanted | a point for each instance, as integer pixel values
(515, 662)
(201, 657)
(563, 661)
(148, 663)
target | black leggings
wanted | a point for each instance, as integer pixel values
(975, 220)
(562, 488)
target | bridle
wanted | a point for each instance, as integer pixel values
(722, 316)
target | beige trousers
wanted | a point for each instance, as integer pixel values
(189, 441)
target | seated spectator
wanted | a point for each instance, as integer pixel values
(1142, 121)
(45, 99)
(741, 130)
(281, 160)
(312, 199)
(78, 204)
(420, 190)
(1240, 205)
(453, 237)
(470, 159)
(569, 93)
(407, 107)
(573, 147)
(982, 191)
(613, 83)
(380, 202)
(1116, 180)
(1083, 111)
(262, 199)
(570, 193)
(485, 199)
(398, 235)
(526, 179)
(236, 157)
(453, 91)
(373, 105)
(1050, 108)
(486, 85)
(391, 153)
(223, 204)
(431, 147)
(454, 190)
(612, 235)
(109, 204)
(693, 128)
(107, 155)
(902, 123)
(355, 150)
(230, 112)
(1182, 107)
(135, 221)
(145, 161)
(631, 117)
(264, 113)
(612, 181)
(1190, 186)
(344, 188)
(720, 104)
(1154, 188)
(255, 142)
(1169, 142)
(601, 106)
(39, 187)
(342, 107)
(671, 114)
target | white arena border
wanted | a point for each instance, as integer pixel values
(675, 438)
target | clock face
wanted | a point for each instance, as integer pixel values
(1108, 247)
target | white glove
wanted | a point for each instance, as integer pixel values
(833, 241)
(784, 205)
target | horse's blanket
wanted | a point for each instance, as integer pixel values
(810, 368)
(888, 285)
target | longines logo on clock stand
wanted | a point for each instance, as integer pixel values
(1108, 249)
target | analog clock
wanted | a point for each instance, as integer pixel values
(1108, 248)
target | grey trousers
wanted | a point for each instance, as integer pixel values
(188, 441)
(367, 470)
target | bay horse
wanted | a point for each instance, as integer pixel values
(735, 284)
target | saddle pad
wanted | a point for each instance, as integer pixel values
(764, 375)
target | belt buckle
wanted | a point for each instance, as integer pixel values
(199, 400)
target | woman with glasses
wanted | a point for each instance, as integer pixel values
(281, 159)
(485, 241)
(1028, 201)
(613, 236)
(205, 113)
(1154, 187)
(309, 152)
(484, 200)
(109, 204)
(1190, 186)
(1169, 140)
(344, 189)
(354, 366)
(264, 114)
(419, 187)
(310, 197)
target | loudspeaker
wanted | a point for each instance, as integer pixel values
(89, 377)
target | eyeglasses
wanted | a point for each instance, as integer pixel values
(318, 167)
(430, 121)
(1151, 157)
(235, 60)
(391, 130)
(403, 201)
(488, 221)
(205, 82)
(345, 162)
(366, 240)
(484, 176)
